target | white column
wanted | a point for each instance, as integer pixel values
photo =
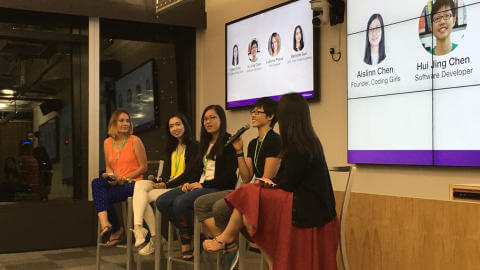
(93, 99)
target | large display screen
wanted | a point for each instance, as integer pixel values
(413, 82)
(271, 53)
(135, 93)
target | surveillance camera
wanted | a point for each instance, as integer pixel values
(321, 10)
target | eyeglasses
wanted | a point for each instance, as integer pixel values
(207, 118)
(255, 112)
(445, 17)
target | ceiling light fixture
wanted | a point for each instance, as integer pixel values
(7, 91)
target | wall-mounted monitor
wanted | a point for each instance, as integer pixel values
(135, 93)
(413, 82)
(48, 137)
(271, 53)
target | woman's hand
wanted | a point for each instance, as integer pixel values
(186, 187)
(121, 181)
(238, 145)
(265, 182)
(159, 185)
(195, 185)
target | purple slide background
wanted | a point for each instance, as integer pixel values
(416, 157)
(248, 102)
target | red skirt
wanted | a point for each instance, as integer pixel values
(269, 211)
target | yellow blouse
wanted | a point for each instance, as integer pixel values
(178, 164)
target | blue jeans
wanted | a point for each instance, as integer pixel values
(178, 207)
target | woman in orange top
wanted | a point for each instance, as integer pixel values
(125, 161)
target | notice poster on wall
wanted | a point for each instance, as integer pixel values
(414, 82)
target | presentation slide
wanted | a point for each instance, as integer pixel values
(413, 82)
(270, 54)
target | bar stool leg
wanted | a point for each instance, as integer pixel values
(170, 245)
(127, 212)
(158, 239)
(98, 246)
(196, 243)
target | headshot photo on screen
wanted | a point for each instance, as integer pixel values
(235, 55)
(298, 39)
(375, 41)
(274, 44)
(446, 23)
(253, 51)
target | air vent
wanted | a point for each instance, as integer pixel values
(465, 192)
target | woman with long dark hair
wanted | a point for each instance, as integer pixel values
(298, 39)
(126, 161)
(291, 217)
(235, 55)
(182, 164)
(375, 41)
(219, 173)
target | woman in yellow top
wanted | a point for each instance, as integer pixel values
(125, 161)
(182, 165)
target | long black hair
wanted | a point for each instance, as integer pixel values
(234, 59)
(205, 137)
(294, 40)
(381, 50)
(295, 126)
(187, 136)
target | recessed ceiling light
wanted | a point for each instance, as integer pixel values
(7, 91)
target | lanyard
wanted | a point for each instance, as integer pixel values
(176, 160)
(257, 150)
(205, 161)
(118, 154)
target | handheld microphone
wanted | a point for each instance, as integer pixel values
(238, 134)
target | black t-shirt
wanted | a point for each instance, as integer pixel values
(269, 148)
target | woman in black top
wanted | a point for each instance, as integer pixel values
(182, 164)
(295, 222)
(219, 173)
(262, 161)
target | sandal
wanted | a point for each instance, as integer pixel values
(117, 238)
(226, 247)
(105, 233)
(187, 255)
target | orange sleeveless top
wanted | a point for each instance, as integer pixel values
(127, 160)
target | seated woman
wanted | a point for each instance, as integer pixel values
(219, 173)
(262, 161)
(181, 165)
(125, 161)
(294, 222)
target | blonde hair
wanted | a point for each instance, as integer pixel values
(112, 124)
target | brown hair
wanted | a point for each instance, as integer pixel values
(112, 124)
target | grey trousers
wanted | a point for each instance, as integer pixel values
(213, 205)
